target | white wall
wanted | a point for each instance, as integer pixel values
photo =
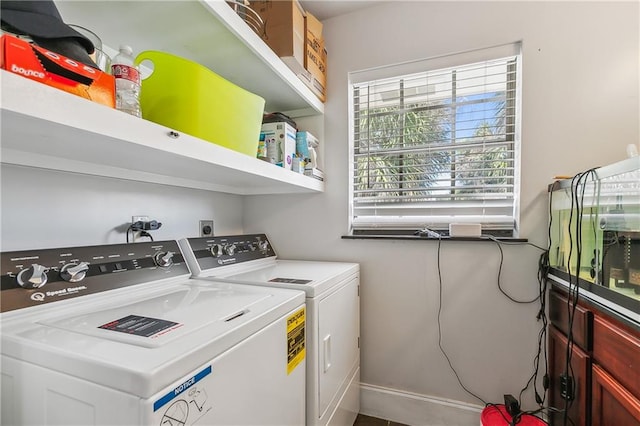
(580, 106)
(580, 109)
(44, 209)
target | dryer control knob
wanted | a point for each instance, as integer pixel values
(35, 276)
(230, 249)
(263, 245)
(216, 250)
(74, 272)
(164, 258)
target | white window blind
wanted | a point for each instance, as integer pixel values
(436, 147)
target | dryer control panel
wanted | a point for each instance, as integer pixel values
(36, 277)
(214, 252)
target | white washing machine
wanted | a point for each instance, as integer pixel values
(121, 335)
(333, 313)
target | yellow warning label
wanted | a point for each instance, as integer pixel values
(295, 340)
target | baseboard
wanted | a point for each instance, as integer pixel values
(415, 409)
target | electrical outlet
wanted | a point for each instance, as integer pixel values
(136, 234)
(135, 219)
(206, 228)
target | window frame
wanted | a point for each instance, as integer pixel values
(399, 72)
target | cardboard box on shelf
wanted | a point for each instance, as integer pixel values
(284, 30)
(312, 27)
(315, 76)
(315, 57)
(285, 142)
(36, 63)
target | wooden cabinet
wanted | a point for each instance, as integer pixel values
(616, 376)
(579, 391)
(560, 312)
(604, 388)
(612, 403)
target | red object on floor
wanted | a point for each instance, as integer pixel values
(497, 415)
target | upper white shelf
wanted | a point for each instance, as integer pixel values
(208, 32)
(47, 128)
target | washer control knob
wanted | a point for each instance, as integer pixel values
(163, 258)
(35, 276)
(216, 250)
(74, 272)
(263, 245)
(230, 249)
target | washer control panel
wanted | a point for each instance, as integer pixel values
(36, 277)
(214, 252)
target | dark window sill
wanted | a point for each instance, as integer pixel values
(443, 238)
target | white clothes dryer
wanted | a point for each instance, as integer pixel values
(333, 313)
(121, 335)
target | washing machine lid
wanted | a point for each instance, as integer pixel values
(313, 277)
(140, 345)
(156, 321)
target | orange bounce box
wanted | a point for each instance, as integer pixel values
(31, 61)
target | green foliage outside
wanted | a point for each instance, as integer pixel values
(423, 173)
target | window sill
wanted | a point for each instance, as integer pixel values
(443, 238)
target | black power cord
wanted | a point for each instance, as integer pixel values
(142, 227)
(440, 326)
(146, 234)
(542, 273)
(543, 270)
(577, 203)
(578, 189)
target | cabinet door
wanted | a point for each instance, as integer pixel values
(559, 313)
(617, 351)
(339, 329)
(612, 403)
(577, 406)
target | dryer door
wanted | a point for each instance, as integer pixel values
(338, 352)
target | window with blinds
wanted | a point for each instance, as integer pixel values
(436, 147)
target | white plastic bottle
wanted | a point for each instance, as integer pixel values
(127, 77)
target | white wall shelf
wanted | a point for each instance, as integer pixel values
(208, 32)
(47, 128)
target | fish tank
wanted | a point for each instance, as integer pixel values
(594, 232)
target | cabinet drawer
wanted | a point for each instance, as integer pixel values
(559, 313)
(618, 352)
